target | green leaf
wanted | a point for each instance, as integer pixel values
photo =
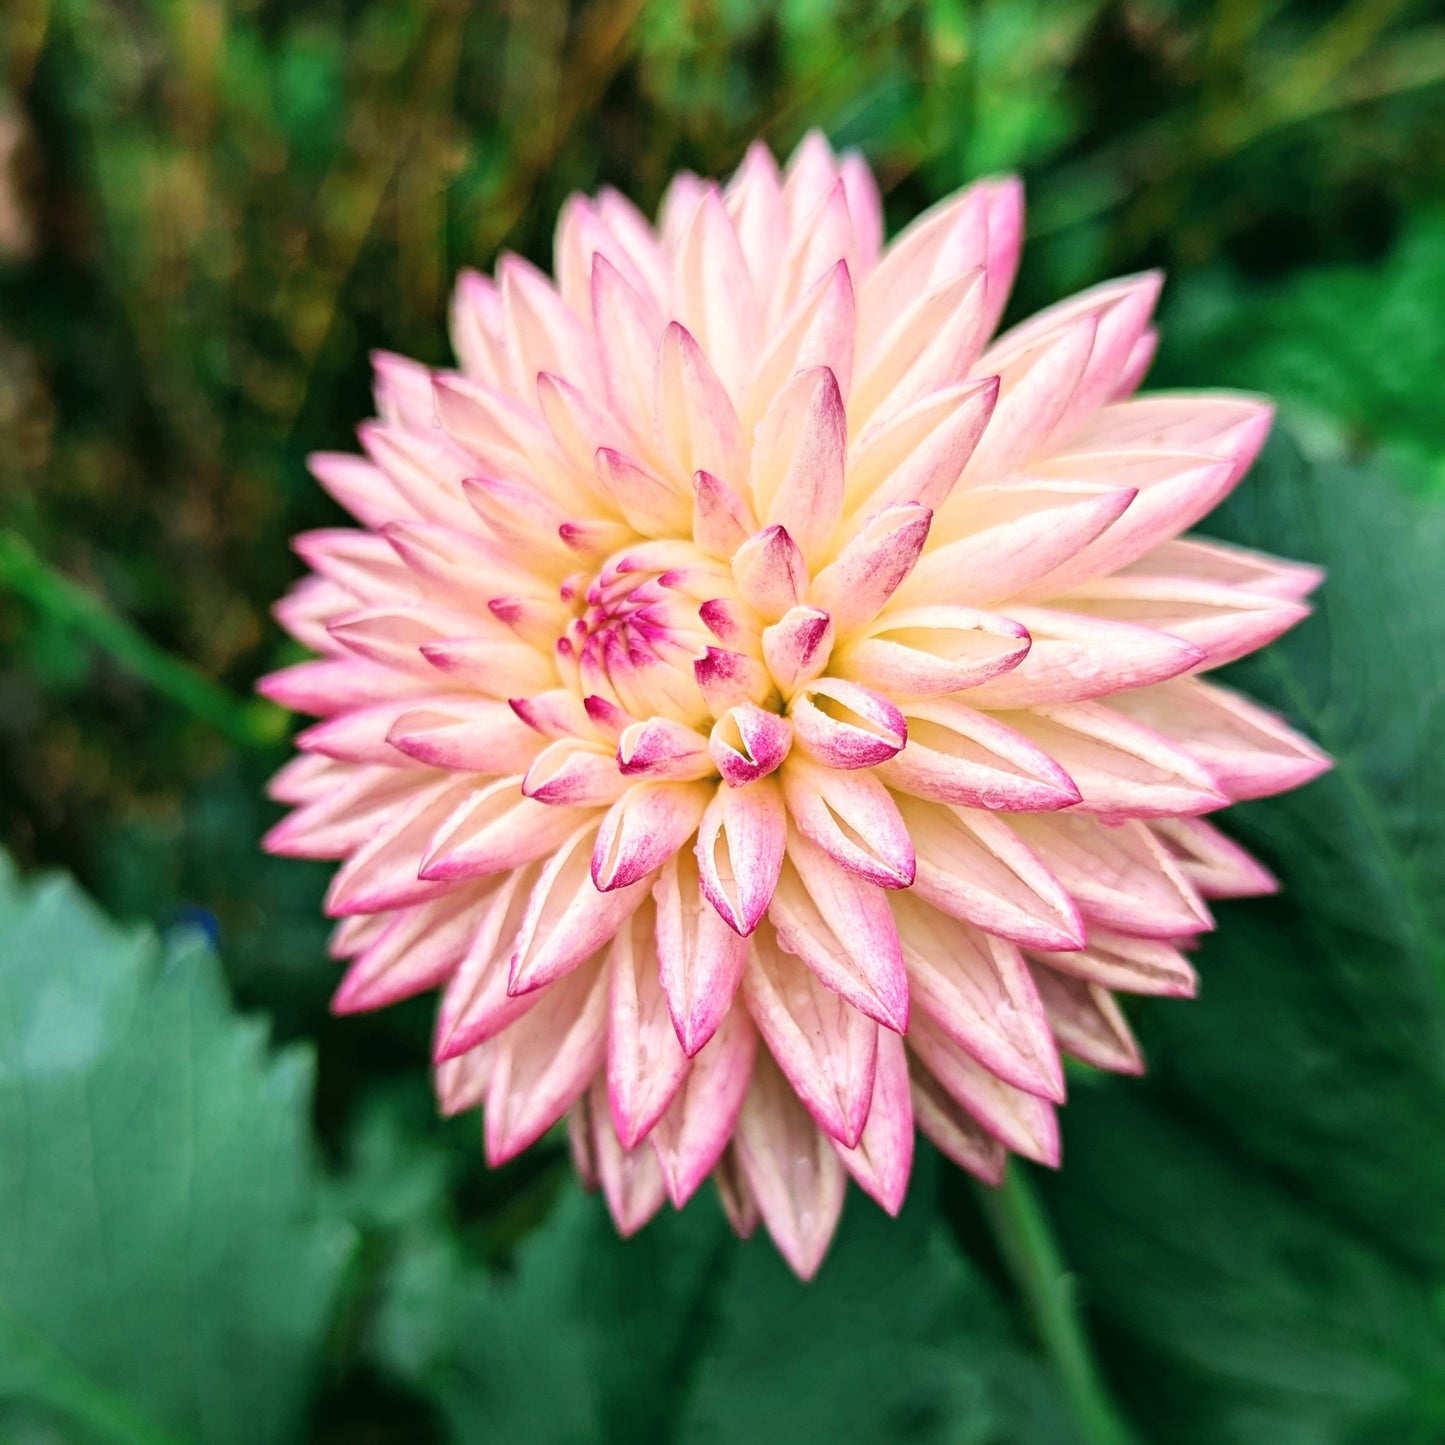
(164, 1273)
(1261, 1220)
(1354, 354)
(685, 1334)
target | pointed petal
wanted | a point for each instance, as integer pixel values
(1217, 866)
(953, 1130)
(462, 1083)
(1073, 658)
(382, 872)
(722, 518)
(476, 1005)
(883, 1158)
(417, 951)
(661, 748)
(748, 743)
(645, 1062)
(931, 651)
(700, 958)
(545, 1061)
(1022, 1122)
(466, 735)
(791, 1172)
(854, 589)
(846, 725)
(932, 343)
(644, 828)
(691, 1136)
(1087, 1023)
(567, 919)
(1119, 766)
(796, 648)
(1223, 622)
(716, 293)
(818, 331)
(730, 679)
(492, 829)
(1249, 751)
(852, 817)
(631, 1179)
(1036, 388)
(824, 1045)
(972, 866)
(842, 928)
(1120, 875)
(740, 845)
(1229, 566)
(978, 990)
(573, 773)
(992, 543)
(770, 572)
(1130, 965)
(798, 458)
(957, 755)
(628, 329)
(918, 454)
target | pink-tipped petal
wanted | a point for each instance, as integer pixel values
(748, 743)
(1087, 1023)
(1249, 751)
(1120, 767)
(1217, 866)
(796, 648)
(630, 1179)
(882, 1160)
(1119, 874)
(771, 575)
(644, 828)
(972, 866)
(953, 1130)
(545, 1061)
(1129, 965)
(933, 651)
(1022, 1122)
(700, 957)
(846, 725)
(691, 1136)
(567, 919)
(740, 843)
(661, 748)
(852, 817)
(854, 589)
(824, 1045)
(978, 990)
(958, 755)
(798, 459)
(842, 928)
(645, 1062)
(791, 1172)
(722, 518)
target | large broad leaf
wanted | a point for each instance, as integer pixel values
(1354, 354)
(1263, 1220)
(685, 1334)
(164, 1272)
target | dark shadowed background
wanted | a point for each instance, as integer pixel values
(227, 1217)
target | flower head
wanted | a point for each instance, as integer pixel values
(771, 710)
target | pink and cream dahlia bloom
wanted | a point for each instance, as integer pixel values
(772, 709)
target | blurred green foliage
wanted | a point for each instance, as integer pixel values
(209, 211)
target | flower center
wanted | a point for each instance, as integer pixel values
(634, 636)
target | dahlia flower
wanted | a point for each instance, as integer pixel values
(773, 713)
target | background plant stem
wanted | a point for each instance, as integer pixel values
(1034, 1260)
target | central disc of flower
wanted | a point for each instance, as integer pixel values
(636, 635)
